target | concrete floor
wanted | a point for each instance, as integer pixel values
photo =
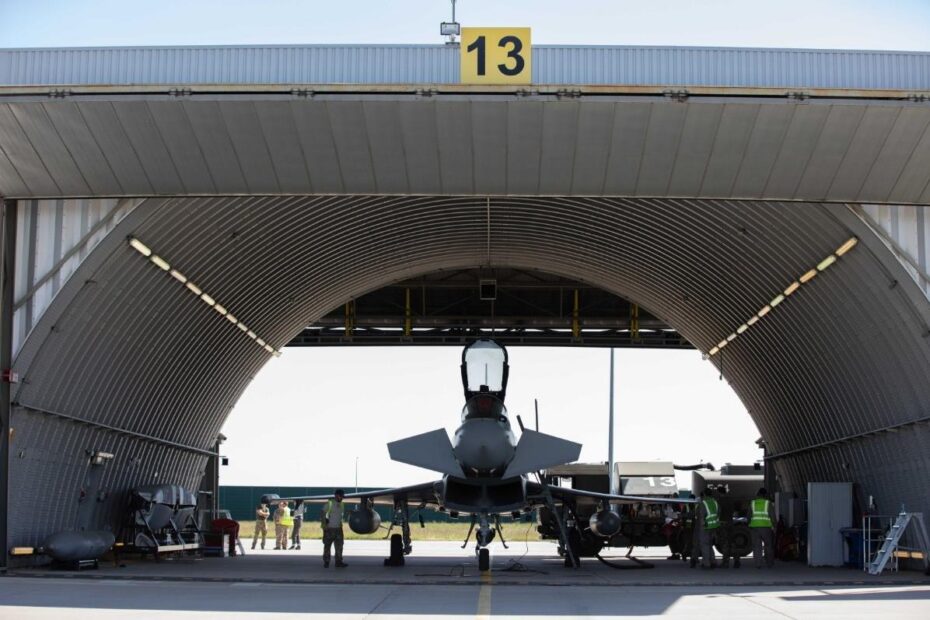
(441, 580)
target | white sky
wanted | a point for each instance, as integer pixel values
(847, 24)
(308, 415)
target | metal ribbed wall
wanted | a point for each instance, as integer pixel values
(439, 64)
(52, 238)
(906, 230)
(370, 143)
(841, 357)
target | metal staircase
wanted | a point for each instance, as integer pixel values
(893, 537)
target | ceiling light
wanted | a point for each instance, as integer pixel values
(826, 262)
(850, 244)
(792, 288)
(162, 264)
(140, 247)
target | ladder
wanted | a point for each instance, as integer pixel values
(893, 539)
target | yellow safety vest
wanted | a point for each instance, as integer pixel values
(711, 518)
(760, 513)
(327, 509)
(286, 518)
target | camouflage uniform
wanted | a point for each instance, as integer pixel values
(332, 531)
(261, 524)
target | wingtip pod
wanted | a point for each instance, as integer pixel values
(537, 451)
(431, 450)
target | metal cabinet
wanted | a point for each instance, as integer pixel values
(829, 509)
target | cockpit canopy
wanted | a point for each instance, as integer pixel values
(484, 369)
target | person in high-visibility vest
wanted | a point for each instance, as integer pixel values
(282, 524)
(331, 517)
(761, 529)
(707, 522)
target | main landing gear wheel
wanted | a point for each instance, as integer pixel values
(484, 560)
(397, 551)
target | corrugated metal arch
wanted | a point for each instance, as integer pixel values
(132, 348)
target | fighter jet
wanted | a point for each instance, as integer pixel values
(486, 471)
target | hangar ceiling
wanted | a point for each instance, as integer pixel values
(607, 141)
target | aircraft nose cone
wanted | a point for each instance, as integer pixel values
(482, 445)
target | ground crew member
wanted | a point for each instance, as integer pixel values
(728, 515)
(298, 516)
(761, 523)
(261, 524)
(282, 524)
(332, 529)
(707, 522)
(690, 519)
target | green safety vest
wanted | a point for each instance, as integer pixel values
(711, 519)
(327, 509)
(760, 513)
(286, 518)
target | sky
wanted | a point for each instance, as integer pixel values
(308, 415)
(311, 414)
(844, 24)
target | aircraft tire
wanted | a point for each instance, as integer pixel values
(484, 560)
(397, 551)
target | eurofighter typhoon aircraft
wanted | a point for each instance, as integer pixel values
(485, 471)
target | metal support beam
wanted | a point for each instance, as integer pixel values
(114, 429)
(634, 322)
(7, 271)
(611, 474)
(893, 428)
(576, 325)
(350, 318)
(408, 314)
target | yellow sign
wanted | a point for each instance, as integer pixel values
(496, 56)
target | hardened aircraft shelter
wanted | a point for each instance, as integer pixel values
(173, 217)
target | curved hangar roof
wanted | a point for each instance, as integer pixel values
(725, 211)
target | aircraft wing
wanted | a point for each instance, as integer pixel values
(426, 493)
(535, 494)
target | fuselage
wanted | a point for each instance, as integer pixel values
(484, 444)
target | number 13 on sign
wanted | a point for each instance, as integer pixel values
(496, 56)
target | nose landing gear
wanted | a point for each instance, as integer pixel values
(484, 559)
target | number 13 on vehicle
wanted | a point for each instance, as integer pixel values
(496, 56)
